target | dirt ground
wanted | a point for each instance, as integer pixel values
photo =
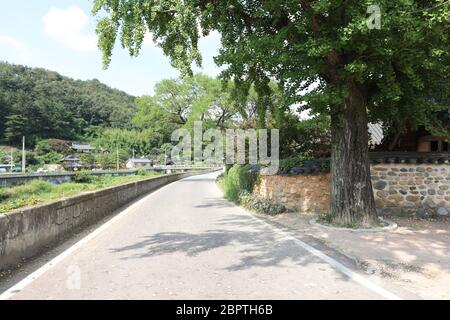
(415, 256)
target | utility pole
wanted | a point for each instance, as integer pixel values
(11, 162)
(117, 149)
(23, 154)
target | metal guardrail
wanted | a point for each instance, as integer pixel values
(106, 172)
(10, 179)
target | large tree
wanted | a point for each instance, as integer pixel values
(186, 100)
(350, 69)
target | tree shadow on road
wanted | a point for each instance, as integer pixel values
(215, 203)
(252, 243)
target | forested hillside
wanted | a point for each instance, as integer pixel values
(39, 104)
(50, 109)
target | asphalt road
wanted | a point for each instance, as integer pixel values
(185, 241)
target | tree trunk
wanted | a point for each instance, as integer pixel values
(352, 201)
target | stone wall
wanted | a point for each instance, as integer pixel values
(399, 189)
(304, 193)
(25, 233)
(412, 189)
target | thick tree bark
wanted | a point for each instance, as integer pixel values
(352, 201)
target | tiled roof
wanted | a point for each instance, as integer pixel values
(71, 158)
(73, 165)
(323, 165)
(409, 157)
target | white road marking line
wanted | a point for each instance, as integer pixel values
(335, 264)
(322, 256)
(8, 294)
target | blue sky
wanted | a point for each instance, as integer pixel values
(60, 35)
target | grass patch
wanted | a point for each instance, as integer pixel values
(84, 177)
(38, 191)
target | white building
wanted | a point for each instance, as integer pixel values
(134, 163)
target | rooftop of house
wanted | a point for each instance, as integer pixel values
(139, 160)
(71, 158)
(82, 146)
(73, 165)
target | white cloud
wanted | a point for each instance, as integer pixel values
(66, 26)
(21, 53)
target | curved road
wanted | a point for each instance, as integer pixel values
(185, 241)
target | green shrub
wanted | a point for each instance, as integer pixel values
(33, 187)
(143, 172)
(83, 177)
(4, 194)
(260, 205)
(289, 163)
(238, 179)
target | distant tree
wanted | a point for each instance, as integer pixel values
(60, 146)
(181, 102)
(42, 147)
(15, 128)
(307, 137)
(158, 122)
(214, 104)
(88, 160)
(45, 154)
(128, 141)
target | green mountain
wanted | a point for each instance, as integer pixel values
(40, 104)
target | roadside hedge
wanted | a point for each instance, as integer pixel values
(238, 179)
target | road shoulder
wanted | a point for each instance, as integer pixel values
(414, 257)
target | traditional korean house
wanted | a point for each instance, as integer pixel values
(414, 145)
(72, 163)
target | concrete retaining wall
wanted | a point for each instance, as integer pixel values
(25, 233)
